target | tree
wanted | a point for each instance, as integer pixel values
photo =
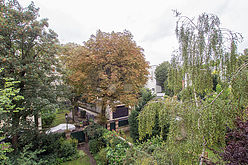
(198, 124)
(66, 52)
(28, 49)
(8, 95)
(110, 68)
(161, 74)
(202, 49)
(205, 47)
(145, 97)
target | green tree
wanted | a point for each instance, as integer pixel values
(203, 46)
(197, 124)
(28, 49)
(161, 74)
(145, 97)
(110, 68)
(8, 96)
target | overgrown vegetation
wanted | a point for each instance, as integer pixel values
(145, 96)
(44, 149)
(206, 75)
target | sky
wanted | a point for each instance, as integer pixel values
(151, 22)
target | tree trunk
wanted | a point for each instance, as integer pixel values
(102, 118)
(75, 107)
(15, 129)
(104, 106)
(36, 120)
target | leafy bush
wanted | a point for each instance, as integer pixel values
(68, 148)
(96, 141)
(39, 148)
(133, 125)
(117, 154)
(95, 145)
(101, 157)
(29, 157)
(116, 148)
(95, 131)
(47, 119)
(236, 151)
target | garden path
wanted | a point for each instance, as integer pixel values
(85, 148)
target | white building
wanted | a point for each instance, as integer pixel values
(152, 83)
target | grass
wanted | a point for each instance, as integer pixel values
(81, 161)
(60, 118)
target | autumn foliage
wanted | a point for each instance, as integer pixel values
(109, 67)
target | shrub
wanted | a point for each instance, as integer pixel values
(42, 147)
(68, 148)
(29, 157)
(47, 119)
(117, 154)
(95, 131)
(101, 157)
(145, 96)
(95, 145)
(133, 124)
(236, 151)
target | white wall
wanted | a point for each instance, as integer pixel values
(151, 83)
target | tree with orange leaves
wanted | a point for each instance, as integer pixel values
(109, 67)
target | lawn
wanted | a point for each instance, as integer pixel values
(81, 161)
(60, 118)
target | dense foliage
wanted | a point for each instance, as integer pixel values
(95, 134)
(109, 67)
(161, 74)
(155, 117)
(116, 148)
(199, 120)
(44, 149)
(8, 96)
(145, 96)
(28, 49)
(236, 150)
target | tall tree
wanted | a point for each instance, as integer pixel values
(198, 124)
(109, 67)
(145, 96)
(28, 49)
(8, 96)
(66, 52)
(161, 74)
(203, 47)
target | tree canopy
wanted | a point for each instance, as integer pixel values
(197, 124)
(204, 47)
(161, 74)
(109, 67)
(28, 49)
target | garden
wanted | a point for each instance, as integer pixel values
(201, 119)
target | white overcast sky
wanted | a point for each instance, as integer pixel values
(150, 21)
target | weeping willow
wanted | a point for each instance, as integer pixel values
(199, 124)
(204, 47)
